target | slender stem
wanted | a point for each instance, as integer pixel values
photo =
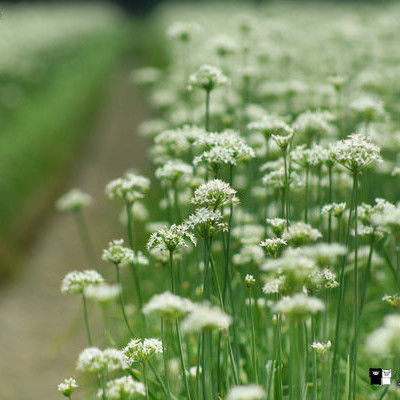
(233, 363)
(334, 369)
(330, 201)
(145, 380)
(355, 285)
(184, 370)
(158, 377)
(306, 196)
(253, 338)
(171, 270)
(207, 115)
(203, 365)
(165, 357)
(314, 360)
(128, 206)
(121, 302)
(85, 237)
(85, 312)
(286, 189)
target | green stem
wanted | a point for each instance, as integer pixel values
(314, 360)
(184, 369)
(330, 202)
(160, 381)
(165, 357)
(171, 271)
(203, 365)
(306, 196)
(253, 338)
(233, 363)
(207, 115)
(145, 380)
(121, 302)
(89, 335)
(286, 189)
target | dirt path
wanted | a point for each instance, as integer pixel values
(41, 331)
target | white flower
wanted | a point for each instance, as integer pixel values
(124, 388)
(277, 225)
(393, 300)
(103, 293)
(273, 286)
(368, 109)
(356, 153)
(206, 223)
(270, 125)
(173, 170)
(249, 281)
(273, 245)
(92, 359)
(76, 281)
(224, 46)
(321, 348)
(74, 200)
(299, 305)
(283, 142)
(385, 340)
(249, 255)
(214, 194)
(208, 78)
(335, 209)
(249, 392)
(300, 233)
(183, 31)
(204, 316)
(117, 253)
(138, 350)
(168, 305)
(129, 188)
(67, 387)
(314, 124)
(171, 238)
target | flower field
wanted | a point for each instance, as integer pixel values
(259, 257)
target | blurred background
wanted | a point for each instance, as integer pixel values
(69, 118)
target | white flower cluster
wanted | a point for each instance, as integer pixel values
(74, 200)
(206, 223)
(214, 194)
(300, 233)
(138, 350)
(67, 387)
(368, 109)
(356, 153)
(76, 281)
(102, 294)
(205, 316)
(173, 170)
(168, 305)
(334, 209)
(94, 360)
(385, 340)
(299, 305)
(183, 31)
(321, 348)
(273, 246)
(129, 188)
(208, 78)
(249, 392)
(124, 388)
(117, 253)
(171, 238)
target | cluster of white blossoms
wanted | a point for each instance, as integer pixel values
(214, 194)
(67, 387)
(174, 170)
(249, 392)
(368, 109)
(76, 281)
(273, 246)
(334, 209)
(123, 388)
(299, 305)
(206, 223)
(94, 360)
(385, 340)
(208, 78)
(171, 238)
(356, 153)
(270, 125)
(205, 316)
(277, 225)
(168, 305)
(142, 350)
(130, 187)
(74, 200)
(102, 294)
(183, 31)
(314, 124)
(321, 348)
(117, 253)
(300, 233)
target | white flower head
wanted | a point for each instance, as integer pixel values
(117, 253)
(76, 281)
(248, 392)
(277, 225)
(174, 170)
(204, 316)
(74, 200)
(299, 305)
(206, 223)
(183, 31)
(102, 294)
(208, 78)
(385, 340)
(67, 387)
(168, 305)
(138, 350)
(171, 238)
(300, 233)
(124, 388)
(92, 359)
(334, 209)
(273, 246)
(129, 188)
(321, 348)
(214, 194)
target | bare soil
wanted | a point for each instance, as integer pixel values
(42, 331)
